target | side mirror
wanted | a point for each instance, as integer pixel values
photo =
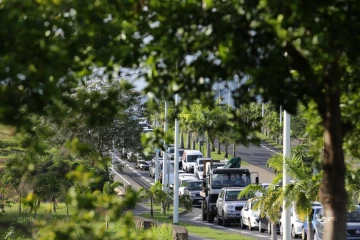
(257, 180)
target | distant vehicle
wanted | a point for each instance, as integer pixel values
(265, 225)
(193, 189)
(250, 216)
(199, 171)
(296, 222)
(170, 173)
(183, 183)
(228, 206)
(146, 130)
(315, 210)
(142, 165)
(189, 159)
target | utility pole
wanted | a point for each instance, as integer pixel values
(176, 167)
(229, 91)
(286, 179)
(164, 175)
(280, 115)
(156, 154)
(262, 109)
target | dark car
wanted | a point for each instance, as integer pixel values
(142, 165)
(265, 225)
(352, 223)
(193, 189)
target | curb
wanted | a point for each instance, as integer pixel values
(180, 214)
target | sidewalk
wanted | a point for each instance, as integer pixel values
(264, 176)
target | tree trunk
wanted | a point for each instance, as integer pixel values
(208, 147)
(151, 208)
(19, 202)
(188, 140)
(182, 139)
(67, 209)
(218, 148)
(193, 144)
(273, 231)
(53, 203)
(234, 150)
(226, 151)
(332, 189)
(213, 146)
(199, 144)
(310, 234)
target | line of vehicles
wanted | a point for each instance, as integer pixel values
(214, 186)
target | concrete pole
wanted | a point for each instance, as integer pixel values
(229, 90)
(156, 154)
(176, 168)
(164, 175)
(286, 179)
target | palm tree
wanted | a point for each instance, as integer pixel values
(154, 194)
(269, 202)
(304, 190)
(109, 190)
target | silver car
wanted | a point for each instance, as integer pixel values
(228, 206)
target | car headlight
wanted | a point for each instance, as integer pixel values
(230, 208)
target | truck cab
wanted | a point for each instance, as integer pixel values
(216, 179)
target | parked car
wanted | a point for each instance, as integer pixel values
(352, 223)
(142, 165)
(193, 188)
(296, 223)
(265, 225)
(314, 212)
(228, 206)
(250, 216)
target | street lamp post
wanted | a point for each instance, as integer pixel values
(165, 172)
(286, 178)
(176, 167)
(156, 155)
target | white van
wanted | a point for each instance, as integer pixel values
(189, 159)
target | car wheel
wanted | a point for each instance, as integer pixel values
(269, 228)
(210, 218)
(260, 227)
(250, 227)
(218, 219)
(303, 234)
(226, 222)
(242, 225)
(293, 234)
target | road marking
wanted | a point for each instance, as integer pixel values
(131, 168)
(138, 174)
(152, 183)
(268, 149)
(247, 233)
(148, 180)
(251, 153)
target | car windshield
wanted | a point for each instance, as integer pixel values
(194, 185)
(354, 216)
(192, 158)
(230, 180)
(201, 168)
(233, 196)
(171, 150)
(201, 161)
(181, 152)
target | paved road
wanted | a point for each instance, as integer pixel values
(255, 155)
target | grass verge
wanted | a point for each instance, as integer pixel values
(205, 232)
(269, 140)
